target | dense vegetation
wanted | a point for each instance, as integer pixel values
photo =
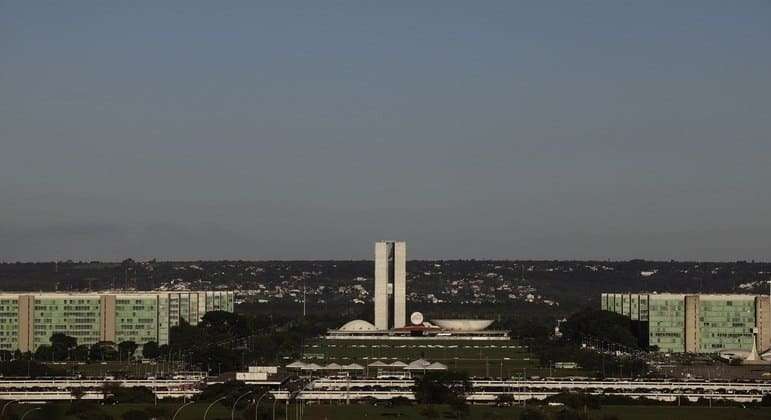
(221, 342)
(610, 326)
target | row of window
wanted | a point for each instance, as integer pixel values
(71, 301)
(135, 308)
(128, 301)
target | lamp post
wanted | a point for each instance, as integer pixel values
(257, 405)
(2, 412)
(29, 411)
(233, 411)
(180, 409)
(275, 400)
(205, 413)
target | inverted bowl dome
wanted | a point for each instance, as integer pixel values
(463, 324)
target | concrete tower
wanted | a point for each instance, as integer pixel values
(390, 284)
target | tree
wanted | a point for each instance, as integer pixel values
(215, 358)
(440, 387)
(611, 326)
(81, 353)
(225, 321)
(127, 349)
(77, 393)
(103, 350)
(132, 395)
(109, 389)
(29, 368)
(62, 344)
(163, 350)
(504, 400)
(185, 336)
(150, 350)
(44, 353)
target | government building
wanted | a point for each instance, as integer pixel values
(28, 319)
(696, 323)
(391, 322)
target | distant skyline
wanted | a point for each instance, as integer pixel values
(268, 130)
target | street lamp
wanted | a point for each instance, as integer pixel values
(275, 400)
(205, 413)
(180, 409)
(2, 412)
(29, 411)
(257, 405)
(233, 411)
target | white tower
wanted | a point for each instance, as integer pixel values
(390, 284)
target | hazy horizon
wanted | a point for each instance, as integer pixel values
(496, 130)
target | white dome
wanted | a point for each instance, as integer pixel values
(463, 324)
(358, 325)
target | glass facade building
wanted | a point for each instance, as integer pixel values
(27, 320)
(699, 323)
(9, 323)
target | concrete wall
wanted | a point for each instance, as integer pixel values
(400, 284)
(108, 318)
(381, 285)
(26, 318)
(763, 322)
(692, 323)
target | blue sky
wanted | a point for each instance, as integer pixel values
(297, 130)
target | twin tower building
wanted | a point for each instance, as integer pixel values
(390, 285)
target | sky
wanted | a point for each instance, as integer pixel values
(310, 129)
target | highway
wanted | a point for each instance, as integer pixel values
(489, 390)
(62, 389)
(340, 389)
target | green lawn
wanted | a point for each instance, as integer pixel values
(688, 413)
(361, 411)
(164, 411)
(354, 412)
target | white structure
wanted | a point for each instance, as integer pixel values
(357, 325)
(390, 285)
(391, 309)
(463, 324)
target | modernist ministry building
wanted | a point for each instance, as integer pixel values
(27, 320)
(696, 323)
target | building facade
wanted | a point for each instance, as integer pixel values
(27, 320)
(696, 323)
(390, 284)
